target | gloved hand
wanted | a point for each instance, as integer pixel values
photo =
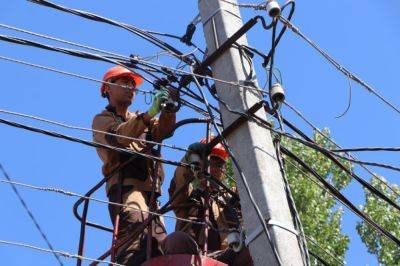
(161, 96)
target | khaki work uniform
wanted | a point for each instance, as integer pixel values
(136, 176)
(223, 215)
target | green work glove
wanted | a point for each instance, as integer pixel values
(161, 96)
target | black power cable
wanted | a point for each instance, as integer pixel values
(340, 197)
(115, 60)
(34, 220)
(141, 33)
(310, 143)
(91, 143)
(241, 174)
(367, 149)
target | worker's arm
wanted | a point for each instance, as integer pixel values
(134, 127)
(180, 176)
(163, 127)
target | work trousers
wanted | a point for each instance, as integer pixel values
(134, 252)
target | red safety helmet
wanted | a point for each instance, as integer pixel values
(218, 150)
(119, 72)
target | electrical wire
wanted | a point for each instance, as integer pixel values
(261, 6)
(125, 63)
(93, 144)
(340, 197)
(61, 253)
(308, 142)
(77, 195)
(308, 122)
(331, 156)
(291, 202)
(319, 259)
(381, 165)
(241, 174)
(31, 216)
(68, 73)
(188, 104)
(361, 149)
(130, 28)
(349, 101)
(62, 41)
(338, 66)
(90, 130)
(332, 256)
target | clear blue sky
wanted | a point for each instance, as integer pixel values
(363, 35)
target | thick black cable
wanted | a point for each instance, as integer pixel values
(90, 56)
(340, 197)
(333, 256)
(271, 64)
(308, 122)
(296, 218)
(283, 30)
(190, 43)
(360, 162)
(367, 149)
(312, 144)
(92, 143)
(35, 222)
(61, 41)
(72, 52)
(148, 37)
(292, 205)
(319, 259)
(241, 174)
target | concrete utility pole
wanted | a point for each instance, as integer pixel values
(251, 143)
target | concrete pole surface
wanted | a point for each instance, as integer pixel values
(251, 144)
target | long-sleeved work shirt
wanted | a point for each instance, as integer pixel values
(139, 172)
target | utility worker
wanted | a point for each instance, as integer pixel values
(131, 180)
(224, 211)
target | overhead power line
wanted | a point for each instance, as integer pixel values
(337, 65)
(73, 194)
(90, 130)
(125, 63)
(56, 252)
(92, 143)
(61, 41)
(310, 143)
(367, 149)
(339, 196)
(316, 129)
(130, 28)
(31, 216)
(68, 73)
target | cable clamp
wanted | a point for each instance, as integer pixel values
(271, 222)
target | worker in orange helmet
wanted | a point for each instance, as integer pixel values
(224, 210)
(131, 181)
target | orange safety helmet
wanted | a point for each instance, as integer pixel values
(119, 72)
(218, 150)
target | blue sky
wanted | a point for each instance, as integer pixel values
(363, 35)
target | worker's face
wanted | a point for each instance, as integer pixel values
(122, 95)
(217, 167)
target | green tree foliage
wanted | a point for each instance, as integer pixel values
(387, 252)
(318, 210)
